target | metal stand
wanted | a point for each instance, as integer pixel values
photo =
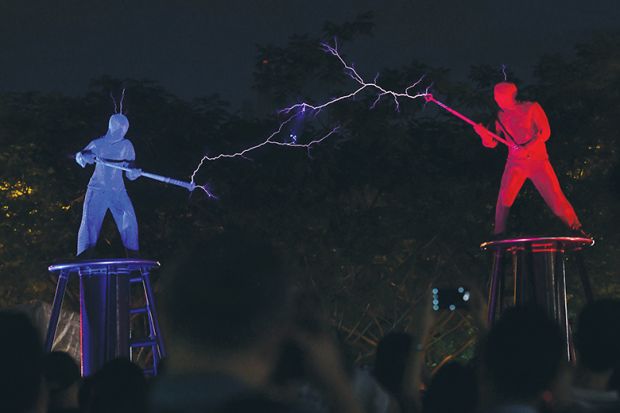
(105, 332)
(538, 271)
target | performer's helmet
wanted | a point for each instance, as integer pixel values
(506, 89)
(505, 93)
(118, 121)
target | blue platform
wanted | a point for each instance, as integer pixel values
(105, 310)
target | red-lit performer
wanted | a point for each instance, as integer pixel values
(525, 126)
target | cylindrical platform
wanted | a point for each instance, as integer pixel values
(105, 308)
(538, 271)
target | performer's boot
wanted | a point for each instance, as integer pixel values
(576, 229)
(580, 232)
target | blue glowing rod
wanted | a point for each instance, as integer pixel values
(190, 186)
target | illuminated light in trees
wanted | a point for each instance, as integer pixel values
(16, 190)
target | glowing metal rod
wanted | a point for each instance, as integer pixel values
(190, 186)
(429, 98)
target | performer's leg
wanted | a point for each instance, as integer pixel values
(93, 212)
(512, 180)
(125, 218)
(546, 181)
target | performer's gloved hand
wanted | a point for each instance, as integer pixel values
(487, 139)
(85, 157)
(134, 174)
(480, 130)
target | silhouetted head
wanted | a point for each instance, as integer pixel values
(21, 359)
(598, 335)
(119, 387)
(522, 355)
(453, 389)
(62, 375)
(505, 94)
(228, 293)
(60, 371)
(614, 380)
(391, 358)
(118, 125)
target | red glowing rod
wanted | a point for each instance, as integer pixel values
(429, 98)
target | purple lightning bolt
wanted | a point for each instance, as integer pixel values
(363, 85)
(206, 190)
(299, 109)
(504, 72)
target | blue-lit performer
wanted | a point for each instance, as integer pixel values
(106, 189)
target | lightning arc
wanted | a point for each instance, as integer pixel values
(300, 109)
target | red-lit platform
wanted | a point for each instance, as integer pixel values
(536, 266)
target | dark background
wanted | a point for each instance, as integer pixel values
(198, 47)
(395, 201)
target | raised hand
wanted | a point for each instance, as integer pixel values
(133, 174)
(485, 135)
(481, 130)
(85, 157)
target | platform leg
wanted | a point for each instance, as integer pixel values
(531, 295)
(104, 318)
(117, 315)
(61, 286)
(496, 272)
(562, 305)
(515, 275)
(546, 284)
(584, 276)
(153, 313)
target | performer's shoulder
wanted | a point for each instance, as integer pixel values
(532, 104)
(96, 141)
(128, 146)
(531, 107)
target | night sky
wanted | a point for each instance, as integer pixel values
(196, 48)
